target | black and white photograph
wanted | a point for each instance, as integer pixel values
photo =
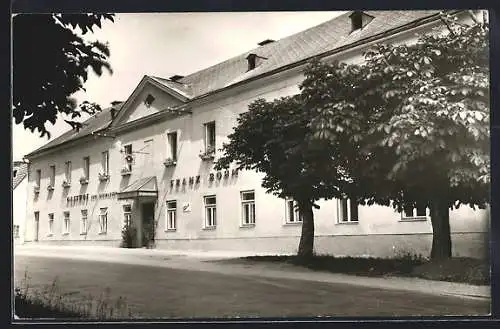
(250, 165)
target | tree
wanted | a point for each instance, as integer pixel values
(50, 63)
(418, 117)
(271, 138)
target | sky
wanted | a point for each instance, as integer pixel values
(165, 44)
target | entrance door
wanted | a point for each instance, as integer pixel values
(37, 225)
(148, 227)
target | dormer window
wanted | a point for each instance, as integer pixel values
(15, 173)
(359, 20)
(253, 61)
(149, 100)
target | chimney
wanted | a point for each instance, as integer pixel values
(176, 77)
(359, 20)
(265, 42)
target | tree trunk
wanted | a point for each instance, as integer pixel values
(306, 245)
(441, 237)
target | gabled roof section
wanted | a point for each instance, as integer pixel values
(21, 169)
(175, 89)
(319, 39)
(100, 121)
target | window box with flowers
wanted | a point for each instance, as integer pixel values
(209, 154)
(36, 189)
(50, 188)
(103, 177)
(126, 171)
(84, 180)
(66, 184)
(169, 162)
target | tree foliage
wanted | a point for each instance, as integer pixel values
(408, 127)
(51, 62)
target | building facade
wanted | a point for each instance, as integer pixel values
(19, 199)
(149, 162)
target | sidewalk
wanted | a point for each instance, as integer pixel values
(208, 261)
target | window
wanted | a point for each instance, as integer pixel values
(86, 167)
(127, 215)
(171, 219)
(418, 212)
(38, 177)
(16, 231)
(210, 137)
(292, 212)
(347, 211)
(51, 224)
(172, 145)
(84, 222)
(128, 156)
(67, 171)
(66, 223)
(210, 211)
(105, 163)
(103, 220)
(248, 207)
(149, 100)
(356, 20)
(52, 175)
(15, 173)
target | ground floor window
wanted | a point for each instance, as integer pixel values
(66, 223)
(347, 211)
(16, 231)
(51, 224)
(292, 212)
(84, 222)
(210, 211)
(127, 215)
(103, 220)
(418, 212)
(171, 220)
(248, 207)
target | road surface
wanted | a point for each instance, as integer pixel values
(162, 292)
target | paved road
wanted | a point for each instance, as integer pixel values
(162, 292)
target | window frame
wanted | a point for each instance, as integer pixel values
(66, 223)
(208, 141)
(128, 150)
(86, 167)
(210, 223)
(172, 151)
(103, 220)
(349, 218)
(50, 231)
(105, 162)
(250, 203)
(67, 171)
(297, 216)
(52, 177)
(127, 215)
(84, 221)
(415, 216)
(38, 177)
(171, 216)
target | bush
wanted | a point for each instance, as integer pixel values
(129, 234)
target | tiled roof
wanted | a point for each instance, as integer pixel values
(21, 169)
(95, 123)
(327, 36)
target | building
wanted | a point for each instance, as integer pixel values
(149, 161)
(19, 197)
